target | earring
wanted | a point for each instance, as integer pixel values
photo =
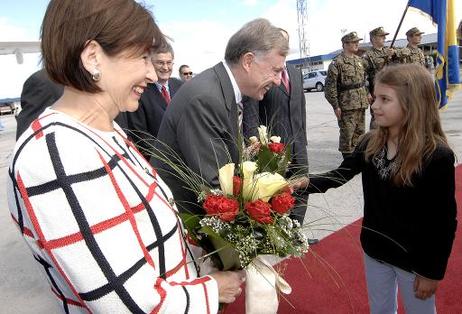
(96, 75)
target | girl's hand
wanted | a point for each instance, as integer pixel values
(299, 183)
(424, 287)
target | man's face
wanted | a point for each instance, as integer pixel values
(163, 64)
(264, 72)
(415, 39)
(378, 41)
(186, 73)
(352, 46)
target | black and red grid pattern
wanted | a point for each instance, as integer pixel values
(99, 223)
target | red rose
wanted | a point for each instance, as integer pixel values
(259, 211)
(218, 205)
(281, 203)
(236, 185)
(276, 147)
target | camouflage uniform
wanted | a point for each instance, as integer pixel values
(416, 55)
(345, 89)
(376, 58)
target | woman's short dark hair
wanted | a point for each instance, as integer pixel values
(69, 25)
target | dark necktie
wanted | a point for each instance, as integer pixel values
(240, 114)
(285, 80)
(165, 94)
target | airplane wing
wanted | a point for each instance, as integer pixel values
(18, 48)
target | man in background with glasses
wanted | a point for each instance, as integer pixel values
(144, 123)
(185, 73)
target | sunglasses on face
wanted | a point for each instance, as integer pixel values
(187, 73)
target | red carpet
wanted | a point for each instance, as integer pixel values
(331, 278)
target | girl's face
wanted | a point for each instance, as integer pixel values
(388, 111)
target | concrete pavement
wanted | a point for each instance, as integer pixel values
(23, 288)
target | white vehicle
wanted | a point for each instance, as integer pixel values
(314, 80)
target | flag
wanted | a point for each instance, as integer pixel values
(447, 61)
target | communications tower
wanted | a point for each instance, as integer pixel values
(302, 17)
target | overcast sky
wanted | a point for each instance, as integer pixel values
(201, 28)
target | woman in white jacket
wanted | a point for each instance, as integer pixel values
(94, 213)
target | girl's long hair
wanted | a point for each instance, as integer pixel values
(421, 130)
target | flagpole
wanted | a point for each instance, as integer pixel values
(399, 25)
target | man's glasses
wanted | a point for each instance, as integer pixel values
(187, 73)
(162, 63)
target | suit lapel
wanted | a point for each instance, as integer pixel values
(158, 100)
(283, 88)
(228, 95)
(173, 86)
(292, 72)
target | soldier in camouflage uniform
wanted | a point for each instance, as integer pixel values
(345, 90)
(414, 36)
(378, 57)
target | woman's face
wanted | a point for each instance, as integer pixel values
(124, 79)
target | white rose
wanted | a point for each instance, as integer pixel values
(248, 169)
(267, 184)
(253, 139)
(263, 134)
(225, 176)
(275, 139)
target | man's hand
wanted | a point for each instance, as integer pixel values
(338, 113)
(391, 52)
(370, 99)
(424, 287)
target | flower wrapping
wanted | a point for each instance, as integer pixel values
(262, 286)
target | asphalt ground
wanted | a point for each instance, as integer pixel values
(23, 288)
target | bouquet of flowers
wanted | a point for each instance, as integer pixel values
(249, 215)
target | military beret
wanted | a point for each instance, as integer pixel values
(350, 37)
(379, 31)
(414, 31)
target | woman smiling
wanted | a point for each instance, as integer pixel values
(97, 218)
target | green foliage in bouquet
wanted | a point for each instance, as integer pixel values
(225, 256)
(272, 155)
(268, 161)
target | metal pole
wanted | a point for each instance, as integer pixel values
(399, 25)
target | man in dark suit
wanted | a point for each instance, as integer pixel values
(38, 93)
(144, 123)
(283, 110)
(202, 123)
